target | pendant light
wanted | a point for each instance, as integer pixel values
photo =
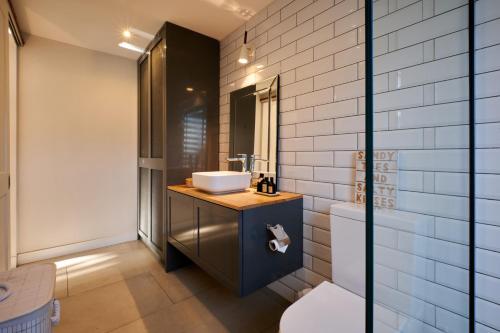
(244, 53)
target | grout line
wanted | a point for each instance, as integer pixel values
(159, 286)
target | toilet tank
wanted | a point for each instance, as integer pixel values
(347, 223)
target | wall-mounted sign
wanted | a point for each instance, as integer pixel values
(385, 178)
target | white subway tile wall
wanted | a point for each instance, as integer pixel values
(317, 46)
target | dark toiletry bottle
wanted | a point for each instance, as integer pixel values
(265, 185)
(259, 182)
(271, 188)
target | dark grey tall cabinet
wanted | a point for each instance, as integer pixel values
(178, 116)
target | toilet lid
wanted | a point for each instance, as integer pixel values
(327, 308)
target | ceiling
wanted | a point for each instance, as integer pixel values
(98, 24)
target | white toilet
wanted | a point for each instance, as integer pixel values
(336, 307)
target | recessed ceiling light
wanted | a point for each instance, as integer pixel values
(126, 33)
(141, 33)
(247, 13)
(189, 89)
(131, 47)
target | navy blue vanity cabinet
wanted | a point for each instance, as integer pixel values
(260, 266)
(231, 243)
(218, 245)
(183, 228)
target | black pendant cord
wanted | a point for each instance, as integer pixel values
(369, 165)
(472, 169)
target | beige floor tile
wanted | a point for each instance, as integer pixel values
(116, 264)
(219, 309)
(106, 308)
(216, 327)
(216, 310)
(160, 321)
(253, 313)
(124, 288)
(86, 270)
(183, 283)
(180, 317)
(275, 328)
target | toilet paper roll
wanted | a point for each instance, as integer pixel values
(274, 245)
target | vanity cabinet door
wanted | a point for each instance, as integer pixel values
(182, 225)
(218, 239)
(144, 108)
(144, 198)
(157, 224)
(157, 99)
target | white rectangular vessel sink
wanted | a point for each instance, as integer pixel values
(219, 182)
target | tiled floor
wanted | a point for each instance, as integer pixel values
(123, 288)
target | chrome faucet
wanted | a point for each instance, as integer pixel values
(243, 159)
(247, 161)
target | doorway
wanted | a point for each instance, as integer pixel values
(5, 83)
(10, 40)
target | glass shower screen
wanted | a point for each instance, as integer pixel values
(420, 166)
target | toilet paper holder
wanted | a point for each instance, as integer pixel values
(281, 240)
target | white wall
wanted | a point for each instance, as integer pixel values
(421, 104)
(298, 40)
(77, 149)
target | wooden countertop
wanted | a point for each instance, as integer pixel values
(237, 201)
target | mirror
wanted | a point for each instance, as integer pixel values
(253, 129)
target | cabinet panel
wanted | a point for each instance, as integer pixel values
(218, 238)
(261, 266)
(157, 208)
(144, 193)
(157, 99)
(193, 122)
(144, 135)
(192, 103)
(183, 227)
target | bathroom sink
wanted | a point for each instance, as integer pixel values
(219, 182)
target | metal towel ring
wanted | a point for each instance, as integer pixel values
(7, 293)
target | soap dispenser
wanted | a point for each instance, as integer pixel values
(265, 185)
(259, 182)
(271, 188)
